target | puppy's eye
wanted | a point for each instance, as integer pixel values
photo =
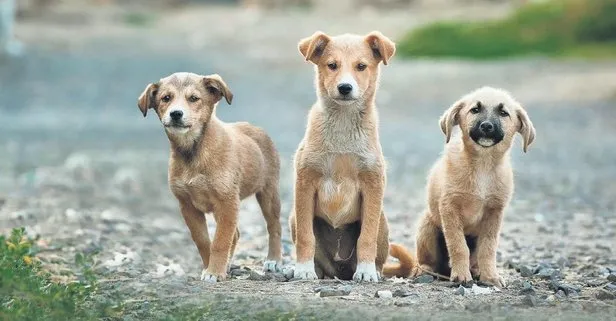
(361, 67)
(332, 66)
(503, 113)
(166, 99)
(193, 98)
(476, 110)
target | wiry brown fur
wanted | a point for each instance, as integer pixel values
(215, 165)
(338, 222)
(468, 190)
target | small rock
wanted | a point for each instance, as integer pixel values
(401, 293)
(611, 287)
(604, 295)
(526, 271)
(527, 288)
(561, 294)
(425, 278)
(462, 291)
(234, 267)
(254, 276)
(567, 288)
(530, 300)
(611, 277)
(402, 303)
(511, 264)
(563, 262)
(383, 294)
(238, 272)
(596, 282)
(550, 298)
(480, 290)
(288, 273)
(328, 291)
(548, 273)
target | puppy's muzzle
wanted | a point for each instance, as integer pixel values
(487, 133)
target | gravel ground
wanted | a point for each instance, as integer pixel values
(83, 169)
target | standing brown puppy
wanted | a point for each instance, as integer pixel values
(214, 165)
(468, 189)
(338, 225)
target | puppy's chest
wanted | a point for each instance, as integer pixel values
(339, 188)
(203, 190)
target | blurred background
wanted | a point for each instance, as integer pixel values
(82, 169)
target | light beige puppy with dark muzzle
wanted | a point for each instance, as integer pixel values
(215, 165)
(338, 225)
(469, 188)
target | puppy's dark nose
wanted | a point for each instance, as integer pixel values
(176, 115)
(345, 89)
(486, 127)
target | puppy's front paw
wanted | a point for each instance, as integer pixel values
(210, 277)
(305, 271)
(461, 275)
(272, 266)
(366, 272)
(492, 279)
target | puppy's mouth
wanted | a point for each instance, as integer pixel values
(486, 140)
(345, 100)
(177, 126)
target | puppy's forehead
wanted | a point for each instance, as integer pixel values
(348, 43)
(181, 80)
(492, 97)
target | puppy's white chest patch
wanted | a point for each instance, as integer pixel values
(484, 181)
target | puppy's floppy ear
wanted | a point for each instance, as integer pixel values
(382, 47)
(312, 47)
(215, 85)
(147, 99)
(450, 119)
(527, 130)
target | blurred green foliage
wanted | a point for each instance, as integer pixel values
(27, 293)
(554, 28)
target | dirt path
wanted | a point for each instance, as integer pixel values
(83, 169)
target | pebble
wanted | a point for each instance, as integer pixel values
(530, 300)
(401, 293)
(563, 262)
(551, 298)
(255, 276)
(425, 278)
(328, 291)
(448, 284)
(567, 288)
(611, 277)
(526, 271)
(611, 287)
(605, 295)
(462, 291)
(383, 294)
(527, 288)
(548, 273)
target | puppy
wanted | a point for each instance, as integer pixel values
(214, 165)
(468, 190)
(338, 225)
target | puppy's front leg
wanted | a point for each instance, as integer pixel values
(195, 220)
(226, 215)
(372, 189)
(305, 190)
(453, 230)
(487, 243)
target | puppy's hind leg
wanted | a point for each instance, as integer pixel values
(269, 201)
(428, 248)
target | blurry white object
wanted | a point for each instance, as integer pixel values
(8, 45)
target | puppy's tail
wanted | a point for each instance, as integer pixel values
(405, 265)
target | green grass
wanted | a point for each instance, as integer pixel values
(567, 28)
(27, 292)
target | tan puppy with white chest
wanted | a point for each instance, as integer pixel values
(215, 165)
(468, 189)
(338, 225)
